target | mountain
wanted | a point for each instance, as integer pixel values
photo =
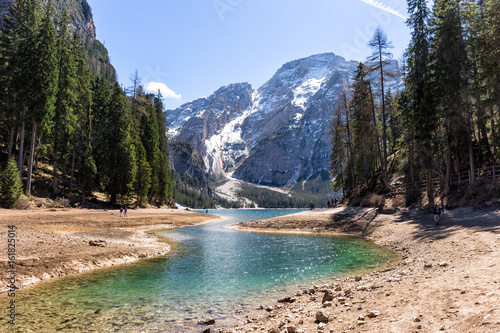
(82, 19)
(276, 135)
(79, 11)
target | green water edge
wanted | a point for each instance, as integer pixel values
(38, 311)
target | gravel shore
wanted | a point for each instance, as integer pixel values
(58, 242)
(448, 279)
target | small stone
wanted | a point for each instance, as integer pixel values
(442, 328)
(328, 296)
(287, 300)
(443, 264)
(338, 288)
(273, 330)
(99, 243)
(428, 266)
(206, 330)
(97, 311)
(322, 316)
(361, 317)
(361, 322)
(419, 327)
(327, 304)
(416, 319)
(207, 321)
(291, 329)
(373, 314)
(321, 326)
(357, 278)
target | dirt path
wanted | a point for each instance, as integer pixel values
(447, 281)
(50, 243)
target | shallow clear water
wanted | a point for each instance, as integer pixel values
(213, 271)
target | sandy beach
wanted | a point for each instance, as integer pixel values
(57, 242)
(448, 279)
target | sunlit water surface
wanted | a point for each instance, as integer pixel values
(213, 271)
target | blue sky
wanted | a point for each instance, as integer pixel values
(190, 48)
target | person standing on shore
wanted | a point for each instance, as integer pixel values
(121, 211)
(437, 213)
(125, 212)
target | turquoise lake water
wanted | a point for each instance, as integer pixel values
(213, 271)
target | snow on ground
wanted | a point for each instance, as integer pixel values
(229, 190)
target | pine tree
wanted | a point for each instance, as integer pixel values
(83, 111)
(46, 76)
(360, 105)
(338, 141)
(419, 109)
(379, 63)
(119, 163)
(143, 176)
(450, 75)
(66, 99)
(11, 186)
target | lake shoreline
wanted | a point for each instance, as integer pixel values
(53, 243)
(448, 278)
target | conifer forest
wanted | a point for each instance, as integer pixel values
(439, 132)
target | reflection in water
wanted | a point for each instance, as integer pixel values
(213, 271)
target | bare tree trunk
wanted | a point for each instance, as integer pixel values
(447, 176)
(32, 153)
(382, 164)
(12, 134)
(344, 98)
(55, 183)
(430, 187)
(493, 132)
(21, 144)
(384, 125)
(72, 170)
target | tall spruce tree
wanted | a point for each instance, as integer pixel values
(119, 161)
(379, 64)
(65, 102)
(449, 66)
(46, 77)
(360, 105)
(421, 114)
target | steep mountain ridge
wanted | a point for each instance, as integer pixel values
(276, 135)
(82, 20)
(78, 10)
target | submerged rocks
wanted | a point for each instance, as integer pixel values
(207, 321)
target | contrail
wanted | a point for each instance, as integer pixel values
(380, 5)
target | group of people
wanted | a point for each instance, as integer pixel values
(123, 212)
(333, 203)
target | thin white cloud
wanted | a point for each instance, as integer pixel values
(380, 5)
(153, 87)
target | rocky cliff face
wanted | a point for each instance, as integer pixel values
(79, 11)
(188, 164)
(276, 135)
